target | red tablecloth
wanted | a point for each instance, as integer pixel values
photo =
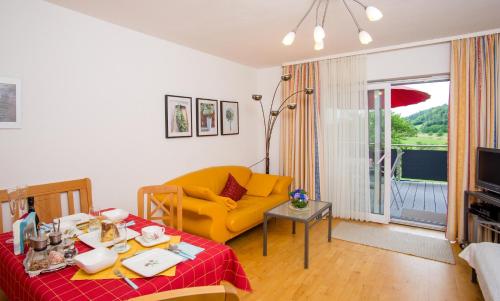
(218, 262)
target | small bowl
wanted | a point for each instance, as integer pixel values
(55, 238)
(39, 243)
(96, 260)
(116, 215)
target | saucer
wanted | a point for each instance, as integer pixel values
(150, 243)
(121, 252)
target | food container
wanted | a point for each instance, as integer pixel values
(55, 238)
(38, 243)
(96, 260)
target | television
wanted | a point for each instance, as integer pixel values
(488, 169)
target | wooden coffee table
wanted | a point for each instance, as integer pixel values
(315, 210)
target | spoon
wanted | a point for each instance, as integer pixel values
(129, 282)
(176, 250)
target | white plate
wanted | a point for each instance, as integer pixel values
(93, 239)
(146, 243)
(77, 218)
(152, 262)
(116, 214)
(96, 260)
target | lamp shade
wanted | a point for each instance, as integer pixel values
(365, 38)
(319, 34)
(289, 38)
(319, 45)
(373, 13)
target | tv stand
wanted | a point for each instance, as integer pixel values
(483, 196)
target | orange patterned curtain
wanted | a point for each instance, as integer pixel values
(474, 111)
(299, 129)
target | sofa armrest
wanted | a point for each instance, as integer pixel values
(282, 185)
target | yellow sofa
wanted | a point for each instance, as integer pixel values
(214, 220)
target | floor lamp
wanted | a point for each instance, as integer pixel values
(273, 114)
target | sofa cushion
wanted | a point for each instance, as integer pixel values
(250, 211)
(233, 189)
(214, 178)
(282, 185)
(207, 194)
(261, 184)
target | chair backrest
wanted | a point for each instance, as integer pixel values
(48, 199)
(224, 292)
(160, 203)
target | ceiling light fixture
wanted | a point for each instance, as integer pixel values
(372, 13)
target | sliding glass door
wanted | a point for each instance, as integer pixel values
(379, 109)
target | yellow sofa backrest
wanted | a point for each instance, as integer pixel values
(214, 178)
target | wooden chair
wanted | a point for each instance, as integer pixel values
(224, 292)
(161, 199)
(48, 199)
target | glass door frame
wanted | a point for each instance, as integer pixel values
(386, 216)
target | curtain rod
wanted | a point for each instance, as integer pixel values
(397, 47)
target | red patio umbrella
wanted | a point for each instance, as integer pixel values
(401, 96)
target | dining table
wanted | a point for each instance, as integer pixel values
(216, 263)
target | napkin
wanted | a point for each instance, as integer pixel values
(189, 248)
(134, 247)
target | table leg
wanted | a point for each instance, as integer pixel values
(330, 223)
(293, 227)
(306, 245)
(475, 227)
(264, 246)
(466, 218)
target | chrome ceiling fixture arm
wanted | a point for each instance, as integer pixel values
(324, 14)
(360, 3)
(372, 13)
(304, 17)
(352, 15)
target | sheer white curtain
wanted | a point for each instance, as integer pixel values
(344, 115)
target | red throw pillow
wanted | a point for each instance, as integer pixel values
(233, 190)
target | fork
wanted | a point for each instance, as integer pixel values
(129, 282)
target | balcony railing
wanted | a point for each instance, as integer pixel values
(419, 185)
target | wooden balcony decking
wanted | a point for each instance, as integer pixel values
(420, 201)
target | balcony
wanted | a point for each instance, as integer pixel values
(419, 191)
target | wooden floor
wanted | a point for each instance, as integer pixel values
(426, 197)
(345, 271)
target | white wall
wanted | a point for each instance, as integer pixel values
(93, 104)
(410, 62)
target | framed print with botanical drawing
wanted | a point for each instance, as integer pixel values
(178, 116)
(10, 103)
(230, 118)
(206, 117)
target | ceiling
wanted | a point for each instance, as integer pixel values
(250, 31)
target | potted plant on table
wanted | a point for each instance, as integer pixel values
(299, 199)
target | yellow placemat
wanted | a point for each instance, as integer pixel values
(134, 247)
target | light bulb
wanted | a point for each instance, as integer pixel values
(373, 13)
(364, 37)
(289, 38)
(319, 33)
(319, 45)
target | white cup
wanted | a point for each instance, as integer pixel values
(151, 233)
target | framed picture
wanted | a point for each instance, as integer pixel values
(206, 117)
(10, 103)
(230, 118)
(178, 116)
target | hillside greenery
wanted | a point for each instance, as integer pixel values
(431, 121)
